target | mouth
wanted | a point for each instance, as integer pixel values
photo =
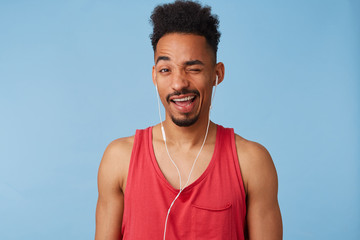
(183, 101)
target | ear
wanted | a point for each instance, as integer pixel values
(154, 75)
(220, 72)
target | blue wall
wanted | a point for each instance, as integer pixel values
(74, 75)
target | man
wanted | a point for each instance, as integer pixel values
(186, 178)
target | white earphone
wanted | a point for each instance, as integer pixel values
(213, 94)
(177, 169)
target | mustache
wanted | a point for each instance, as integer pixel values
(184, 91)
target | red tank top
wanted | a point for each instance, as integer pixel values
(212, 207)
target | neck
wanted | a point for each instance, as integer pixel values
(188, 137)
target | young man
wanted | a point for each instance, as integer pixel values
(186, 178)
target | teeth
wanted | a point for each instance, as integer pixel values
(183, 99)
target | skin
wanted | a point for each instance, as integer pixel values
(186, 62)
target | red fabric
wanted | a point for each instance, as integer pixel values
(212, 207)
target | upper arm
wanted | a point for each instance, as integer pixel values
(261, 183)
(111, 177)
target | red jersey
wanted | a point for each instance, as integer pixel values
(212, 207)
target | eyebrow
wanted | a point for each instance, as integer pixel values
(194, 62)
(164, 58)
(187, 63)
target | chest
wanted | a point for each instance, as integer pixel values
(185, 165)
(213, 207)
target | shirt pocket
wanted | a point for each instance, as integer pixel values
(211, 223)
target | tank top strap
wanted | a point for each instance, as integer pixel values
(228, 150)
(140, 146)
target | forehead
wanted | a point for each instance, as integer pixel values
(182, 47)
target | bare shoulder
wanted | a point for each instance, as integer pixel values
(116, 159)
(111, 186)
(256, 164)
(261, 186)
(120, 147)
(118, 152)
(255, 152)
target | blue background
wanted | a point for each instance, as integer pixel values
(74, 75)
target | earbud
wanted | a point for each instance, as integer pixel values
(213, 95)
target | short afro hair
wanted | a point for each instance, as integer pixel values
(185, 17)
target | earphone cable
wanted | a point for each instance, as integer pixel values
(168, 153)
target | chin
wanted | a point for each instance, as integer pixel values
(186, 122)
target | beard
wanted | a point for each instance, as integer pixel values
(186, 122)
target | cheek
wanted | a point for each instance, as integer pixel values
(162, 94)
(207, 94)
(205, 87)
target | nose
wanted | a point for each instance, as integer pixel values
(179, 81)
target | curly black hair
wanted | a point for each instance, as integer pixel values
(185, 17)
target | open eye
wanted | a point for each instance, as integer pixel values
(164, 70)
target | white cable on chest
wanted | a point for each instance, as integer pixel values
(172, 161)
